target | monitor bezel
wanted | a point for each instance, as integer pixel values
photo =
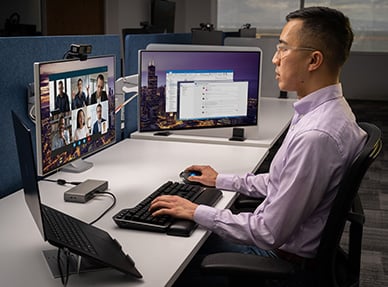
(38, 120)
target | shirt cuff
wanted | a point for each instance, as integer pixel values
(225, 181)
(205, 216)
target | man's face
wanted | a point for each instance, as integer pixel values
(99, 112)
(291, 64)
(79, 86)
(100, 86)
(60, 88)
(61, 125)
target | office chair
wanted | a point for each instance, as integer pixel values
(335, 265)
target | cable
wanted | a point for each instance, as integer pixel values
(109, 208)
(65, 56)
(62, 181)
(31, 114)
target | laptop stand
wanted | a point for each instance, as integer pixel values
(77, 264)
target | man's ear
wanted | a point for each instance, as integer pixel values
(316, 60)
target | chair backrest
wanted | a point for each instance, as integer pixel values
(329, 257)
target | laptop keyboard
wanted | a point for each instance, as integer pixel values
(66, 230)
(140, 218)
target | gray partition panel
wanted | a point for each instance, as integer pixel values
(364, 77)
(267, 44)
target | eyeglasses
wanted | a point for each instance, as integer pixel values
(282, 49)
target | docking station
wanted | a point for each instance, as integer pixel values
(84, 191)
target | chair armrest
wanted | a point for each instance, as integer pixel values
(231, 264)
(246, 202)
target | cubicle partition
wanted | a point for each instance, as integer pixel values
(364, 76)
(16, 69)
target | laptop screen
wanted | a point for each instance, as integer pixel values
(27, 169)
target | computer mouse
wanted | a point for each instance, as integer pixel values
(184, 175)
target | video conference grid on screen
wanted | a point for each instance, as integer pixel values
(198, 89)
(75, 110)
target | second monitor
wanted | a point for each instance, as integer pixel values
(194, 89)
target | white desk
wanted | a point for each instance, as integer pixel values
(274, 117)
(134, 168)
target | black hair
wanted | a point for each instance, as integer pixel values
(325, 29)
(78, 113)
(101, 77)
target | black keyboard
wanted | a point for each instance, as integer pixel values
(66, 230)
(140, 218)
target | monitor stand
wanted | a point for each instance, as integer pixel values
(77, 166)
(77, 264)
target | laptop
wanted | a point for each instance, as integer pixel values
(93, 244)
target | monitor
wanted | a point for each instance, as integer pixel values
(200, 88)
(75, 104)
(163, 15)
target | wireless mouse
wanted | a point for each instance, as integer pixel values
(184, 175)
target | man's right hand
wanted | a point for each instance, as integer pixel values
(208, 174)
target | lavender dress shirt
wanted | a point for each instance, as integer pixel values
(304, 176)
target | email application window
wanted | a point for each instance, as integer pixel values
(173, 77)
(212, 99)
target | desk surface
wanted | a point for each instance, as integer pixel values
(134, 168)
(274, 117)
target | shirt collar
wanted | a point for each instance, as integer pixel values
(315, 99)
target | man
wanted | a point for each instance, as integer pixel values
(98, 124)
(99, 95)
(79, 99)
(62, 100)
(304, 176)
(61, 137)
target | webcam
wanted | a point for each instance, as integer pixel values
(80, 51)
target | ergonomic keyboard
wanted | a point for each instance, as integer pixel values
(140, 218)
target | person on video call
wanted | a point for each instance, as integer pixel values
(99, 95)
(61, 137)
(98, 124)
(62, 99)
(79, 99)
(82, 130)
(304, 176)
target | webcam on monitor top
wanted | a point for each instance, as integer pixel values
(204, 27)
(80, 51)
(247, 31)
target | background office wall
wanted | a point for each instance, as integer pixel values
(119, 14)
(128, 14)
(29, 11)
(363, 76)
(16, 69)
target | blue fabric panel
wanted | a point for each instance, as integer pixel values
(17, 56)
(133, 43)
